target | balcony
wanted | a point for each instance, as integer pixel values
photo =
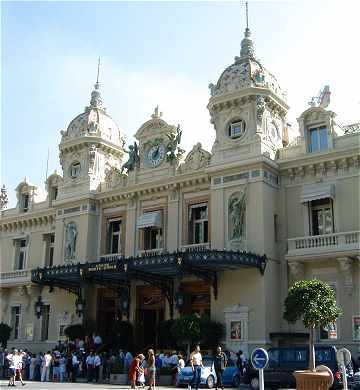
(15, 278)
(327, 245)
(150, 252)
(112, 256)
(195, 247)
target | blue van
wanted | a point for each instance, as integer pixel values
(284, 361)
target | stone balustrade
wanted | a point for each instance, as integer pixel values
(196, 247)
(16, 277)
(317, 245)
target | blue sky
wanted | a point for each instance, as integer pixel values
(163, 53)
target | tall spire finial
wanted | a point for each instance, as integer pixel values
(247, 46)
(98, 72)
(247, 16)
(96, 101)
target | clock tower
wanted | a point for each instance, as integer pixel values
(247, 108)
(159, 150)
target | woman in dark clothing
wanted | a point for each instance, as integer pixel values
(69, 367)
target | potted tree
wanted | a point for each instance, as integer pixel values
(314, 302)
(187, 330)
(118, 376)
(5, 332)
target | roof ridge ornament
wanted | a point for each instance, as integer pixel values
(156, 114)
(96, 100)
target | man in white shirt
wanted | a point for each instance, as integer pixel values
(90, 366)
(10, 358)
(97, 364)
(45, 371)
(196, 365)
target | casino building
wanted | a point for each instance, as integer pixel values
(148, 232)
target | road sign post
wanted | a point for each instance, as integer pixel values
(259, 360)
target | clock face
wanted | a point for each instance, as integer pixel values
(274, 133)
(155, 155)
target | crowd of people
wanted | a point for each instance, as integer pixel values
(87, 359)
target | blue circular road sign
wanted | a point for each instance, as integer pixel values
(259, 358)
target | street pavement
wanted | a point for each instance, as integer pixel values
(83, 386)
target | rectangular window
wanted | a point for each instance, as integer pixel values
(318, 139)
(21, 249)
(114, 236)
(45, 319)
(15, 322)
(322, 217)
(25, 202)
(152, 238)
(198, 224)
(49, 249)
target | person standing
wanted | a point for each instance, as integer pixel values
(12, 372)
(19, 364)
(45, 372)
(90, 366)
(220, 362)
(62, 367)
(135, 369)
(97, 364)
(180, 366)
(151, 369)
(75, 366)
(196, 365)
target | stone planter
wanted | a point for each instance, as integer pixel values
(118, 379)
(308, 380)
(165, 380)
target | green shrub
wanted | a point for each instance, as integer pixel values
(5, 332)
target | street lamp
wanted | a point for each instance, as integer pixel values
(39, 307)
(79, 306)
(124, 302)
(179, 300)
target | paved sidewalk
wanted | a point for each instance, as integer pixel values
(84, 386)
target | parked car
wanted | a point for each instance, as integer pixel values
(284, 361)
(357, 380)
(231, 375)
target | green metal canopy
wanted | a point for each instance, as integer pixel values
(159, 270)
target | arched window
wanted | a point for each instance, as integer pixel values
(237, 216)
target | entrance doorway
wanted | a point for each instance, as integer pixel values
(149, 314)
(107, 311)
(196, 297)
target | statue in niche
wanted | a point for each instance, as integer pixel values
(133, 160)
(70, 240)
(237, 215)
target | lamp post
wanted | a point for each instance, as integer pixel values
(179, 301)
(38, 307)
(124, 303)
(79, 306)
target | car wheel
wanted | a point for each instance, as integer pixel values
(210, 382)
(254, 383)
(236, 381)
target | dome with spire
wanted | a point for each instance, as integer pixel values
(94, 122)
(245, 72)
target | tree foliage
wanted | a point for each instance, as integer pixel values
(192, 329)
(76, 331)
(5, 332)
(312, 301)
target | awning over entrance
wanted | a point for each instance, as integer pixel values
(158, 270)
(317, 191)
(152, 219)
